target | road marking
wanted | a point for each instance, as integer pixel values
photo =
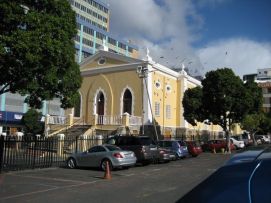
(127, 175)
(52, 179)
(47, 190)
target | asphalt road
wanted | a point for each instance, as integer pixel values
(153, 183)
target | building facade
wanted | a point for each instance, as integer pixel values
(115, 94)
(263, 79)
(93, 17)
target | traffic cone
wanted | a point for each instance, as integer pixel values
(107, 174)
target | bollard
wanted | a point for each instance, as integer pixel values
(214, 151)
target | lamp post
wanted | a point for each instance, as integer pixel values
(142, 72)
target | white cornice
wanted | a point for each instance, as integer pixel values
(110, 69)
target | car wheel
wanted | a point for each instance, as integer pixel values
(71, 163)
(103, 165)
(177, 156)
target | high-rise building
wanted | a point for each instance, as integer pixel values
(92, 17)
(263, 79)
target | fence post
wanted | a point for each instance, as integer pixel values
(60, 144)
(1, 152)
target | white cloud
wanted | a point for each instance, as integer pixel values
(163, 29)
(169, 27)
(244, 56)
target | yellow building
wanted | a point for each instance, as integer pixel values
(119, 92)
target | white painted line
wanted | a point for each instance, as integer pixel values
(127, 175)
(52, 179)
(47, 190)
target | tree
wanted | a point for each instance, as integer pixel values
(32, 122)
(37, 51)
(255, 120)
(252, 123)
(224, 101)
(192, 103)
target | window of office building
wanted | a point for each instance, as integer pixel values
(14, 102)
(53, 107)
(122, 46)
(100, 35)
(87, 42)
(157, 109)
(88, 30)
(112, 41)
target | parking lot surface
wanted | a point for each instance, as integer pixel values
(153, 183)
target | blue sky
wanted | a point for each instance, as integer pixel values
(209, 33)
(236, 18)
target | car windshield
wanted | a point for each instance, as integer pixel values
(146, 141)
(182, 143)
(195, 143)
(112, 148)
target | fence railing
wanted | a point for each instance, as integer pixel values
(60, 120)
(135, 120)
(109, 120)
(30, 153)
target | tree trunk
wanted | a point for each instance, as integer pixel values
(228, 142)
(253, 138)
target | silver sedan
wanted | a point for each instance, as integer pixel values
(97, 156)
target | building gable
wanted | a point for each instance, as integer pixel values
(104, 59)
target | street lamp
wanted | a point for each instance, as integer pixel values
(142, 72)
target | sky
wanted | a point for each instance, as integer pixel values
(202, 34)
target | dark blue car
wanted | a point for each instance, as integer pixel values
(245, 178)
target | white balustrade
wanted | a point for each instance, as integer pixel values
(135, 120)
(61, 120)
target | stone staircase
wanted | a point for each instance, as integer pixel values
(72, 135)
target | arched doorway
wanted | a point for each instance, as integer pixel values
(100, 104)
(127, 102)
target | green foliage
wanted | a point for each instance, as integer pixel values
(32, 123)
(265, 124)
(251, 122)
(37, 51)
(224, 98)
(254, 97)
(192, 103)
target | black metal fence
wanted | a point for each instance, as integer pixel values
(20, 153)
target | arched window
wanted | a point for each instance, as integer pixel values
(127, 102)
(100, 104)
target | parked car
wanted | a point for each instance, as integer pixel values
(245, 178)
(98, 155)
(216, 144)
(165, 155)
(262, 139)
(244, 137)
(194, 148)
(177, 146)
(144, 147)
(238, 144)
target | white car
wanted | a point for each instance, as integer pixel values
(262, 139)
(239, 144)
